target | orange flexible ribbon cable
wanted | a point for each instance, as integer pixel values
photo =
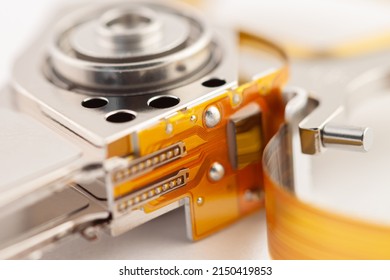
(299, 230)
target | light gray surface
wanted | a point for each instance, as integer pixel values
(29, 150)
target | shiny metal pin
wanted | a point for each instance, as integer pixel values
(347, 137)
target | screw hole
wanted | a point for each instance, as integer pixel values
(214, 82)
(120, 116)
(93, 103)
(163, 101)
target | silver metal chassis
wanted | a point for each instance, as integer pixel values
(60, 110)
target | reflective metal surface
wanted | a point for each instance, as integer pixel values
(360, 139)
(131, 46)
(50, 220)
(100, 74)
(59, 101)
(339, 76)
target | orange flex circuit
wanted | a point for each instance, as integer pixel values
(213, 203)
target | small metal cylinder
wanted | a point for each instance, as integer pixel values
(347, 137)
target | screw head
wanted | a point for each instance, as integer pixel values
(199, 200)
(212, 116)
(216, 172)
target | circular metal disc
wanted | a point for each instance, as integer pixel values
(131, 47)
